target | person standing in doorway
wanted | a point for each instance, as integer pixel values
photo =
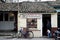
(49, 28)
(48, 25)
(49, 33)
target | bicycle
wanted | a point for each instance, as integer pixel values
(21, 35)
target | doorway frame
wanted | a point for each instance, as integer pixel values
(49, 15)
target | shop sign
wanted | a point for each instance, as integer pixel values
(31, 16)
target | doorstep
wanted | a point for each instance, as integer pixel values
(6, 33)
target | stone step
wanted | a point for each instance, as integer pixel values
(6, 34)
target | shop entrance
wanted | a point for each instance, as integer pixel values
(8, 21)
(45, 19)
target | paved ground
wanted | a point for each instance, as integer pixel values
(7, 38)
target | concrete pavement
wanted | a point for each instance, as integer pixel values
(7, 38)
(10, 38)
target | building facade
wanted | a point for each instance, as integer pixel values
(34, 15)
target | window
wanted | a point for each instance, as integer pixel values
(6, 17)
(11, 16)
(32, 23)
(1, 16)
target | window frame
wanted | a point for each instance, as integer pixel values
(32, 24)
(8, 17)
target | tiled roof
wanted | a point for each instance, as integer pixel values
(8, 7)
(35, 7)
(27, 7)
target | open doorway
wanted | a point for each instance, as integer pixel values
(15, 23)
(45, 19)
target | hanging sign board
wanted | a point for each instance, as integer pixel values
(31, 15)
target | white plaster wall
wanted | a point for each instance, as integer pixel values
(54, 20)
(38, 33)
(21, 22)
(39, 25)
